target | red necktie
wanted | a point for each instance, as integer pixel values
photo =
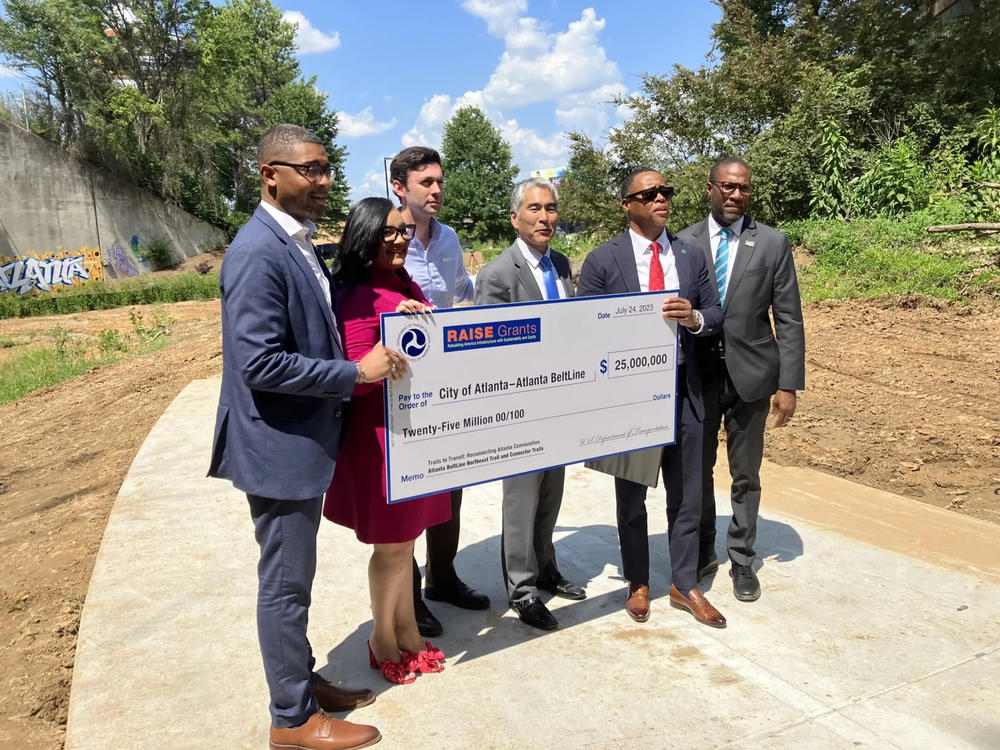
(655, 269)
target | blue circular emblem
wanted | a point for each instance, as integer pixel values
(413, 342)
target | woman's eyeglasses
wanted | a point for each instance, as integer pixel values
(407, 231)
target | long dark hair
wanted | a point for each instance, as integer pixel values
(362, 241)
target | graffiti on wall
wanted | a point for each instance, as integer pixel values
(49, 273)
(121, 262)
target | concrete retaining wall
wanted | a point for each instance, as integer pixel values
(50, 201)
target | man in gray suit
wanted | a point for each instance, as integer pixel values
(285, 390)
(527, 271)
(748, 363)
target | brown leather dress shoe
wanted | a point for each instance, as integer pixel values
(322, 732)
(333, 699)
(698, 606)
(637, 604)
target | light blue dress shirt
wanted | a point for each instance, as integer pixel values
(439, 269)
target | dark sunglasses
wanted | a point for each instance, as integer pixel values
(389, 234)
(645, 196)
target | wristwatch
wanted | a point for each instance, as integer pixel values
(360, 376)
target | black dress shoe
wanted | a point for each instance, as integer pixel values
(746, 587)
(562, 587)
(533, 612)
(459, 595)
(427, 623)
(707, 564)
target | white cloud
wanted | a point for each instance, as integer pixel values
(569, 68)
(532, 151)
(588, 112)
(309, 39)
(500, 15)
(372, 184)
(572, 62)
(362, 124)
(8, 72)
(426, 131)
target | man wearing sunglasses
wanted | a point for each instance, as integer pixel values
(285, 390)
(747, 363)
(435, 262)
(644, 258)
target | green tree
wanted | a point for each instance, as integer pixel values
(479, 177)
(588, 190)
(173, 94)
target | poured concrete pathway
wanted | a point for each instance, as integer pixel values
(878, 626)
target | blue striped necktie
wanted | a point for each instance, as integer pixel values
(722, 264)
(549, 277)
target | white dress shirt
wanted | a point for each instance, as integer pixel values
(715, 237)
(534, 259)
(644, 255)
(301, 234)
(643, 250)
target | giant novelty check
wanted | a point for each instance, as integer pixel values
(501, 390)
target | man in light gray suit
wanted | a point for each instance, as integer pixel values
(286, 385)
(527, 271)
(748, 363)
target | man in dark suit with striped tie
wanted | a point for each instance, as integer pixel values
(747, 363)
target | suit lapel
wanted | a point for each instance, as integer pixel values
(683, 267)
(624, 256)
(524, 274)
(703, 240)
(299, 260)
(744, 252)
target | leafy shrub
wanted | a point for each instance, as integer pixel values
(105, 295)
(158, 253)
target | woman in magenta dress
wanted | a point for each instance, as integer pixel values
(369, 271)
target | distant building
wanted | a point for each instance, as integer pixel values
(552, 174)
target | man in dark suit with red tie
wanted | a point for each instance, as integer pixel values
(647, 257)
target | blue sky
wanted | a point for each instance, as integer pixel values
(396, 71)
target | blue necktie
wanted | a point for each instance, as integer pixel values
(722, 264)
(549, 276)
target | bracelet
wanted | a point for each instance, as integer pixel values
(360, 377)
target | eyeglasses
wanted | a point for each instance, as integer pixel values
(389, 234)
(645, 196)
(728, 188)
(314, 170)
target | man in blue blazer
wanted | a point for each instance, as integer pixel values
(647, 257)
(285, 390)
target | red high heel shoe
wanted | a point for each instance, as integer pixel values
(393, 671)
(432, 652)
(428, 660)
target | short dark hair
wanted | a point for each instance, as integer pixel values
(410, 159)
(279, 140)
(362, 241)
(627, 182)
(714, 172)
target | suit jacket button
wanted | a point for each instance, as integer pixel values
(336, 414)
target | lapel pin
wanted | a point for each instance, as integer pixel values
(684, 251)
(749, 243)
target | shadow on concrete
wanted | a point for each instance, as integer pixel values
(583, 554)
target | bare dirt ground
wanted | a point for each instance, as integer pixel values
(902, 395)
